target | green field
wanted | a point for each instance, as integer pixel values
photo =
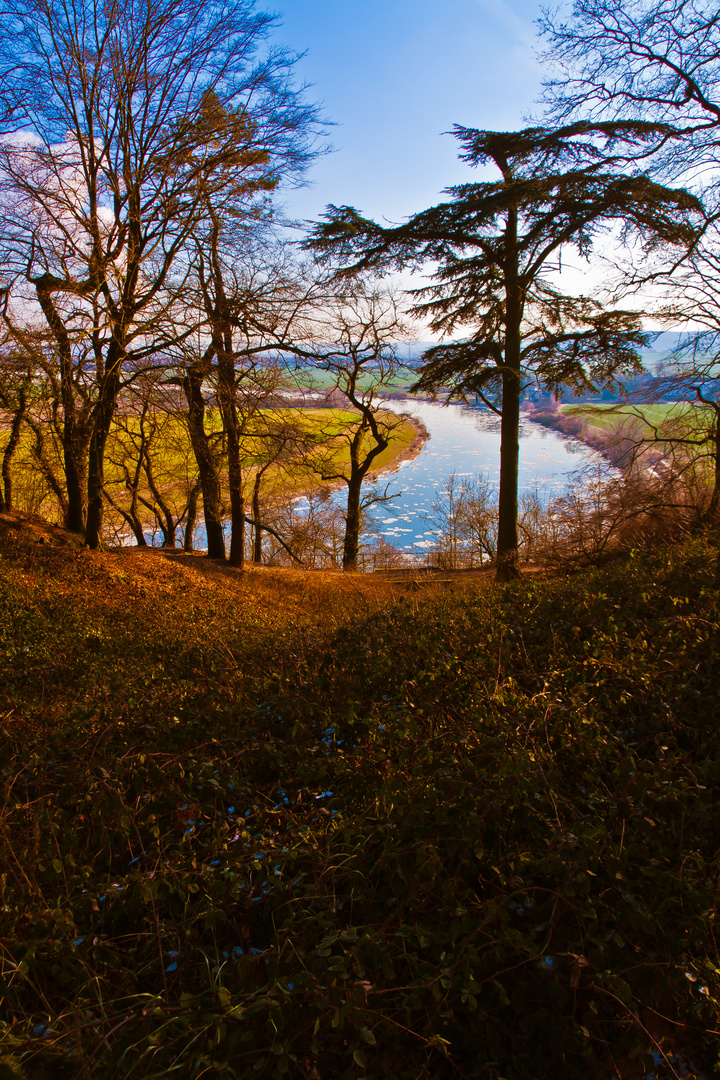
(402, 379)
(665, 418)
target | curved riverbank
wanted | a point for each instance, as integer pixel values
(466, 442)
(408, 452)
(616, 445)
(409, 447)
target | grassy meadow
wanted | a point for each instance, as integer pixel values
(317, 432)
(644, 421)
(285, 823)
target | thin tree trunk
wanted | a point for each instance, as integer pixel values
(38, 452)
(223, 344)
(207, 469)
(165, 518)
(237, 501)
(507, 545)
(6, 496)
(257, 539)
(74, 434)
(192, 507)
(130, 517)
(104, 412)
(226, 373)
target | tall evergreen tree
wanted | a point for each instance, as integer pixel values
(494, 244)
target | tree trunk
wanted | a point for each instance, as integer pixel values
(207, 468)
(165, 518)
(131, 518)
(6, 496)
(507, 545)
(257, 539)
(38, 452)
(139, 534)
(223, 343)
(226, 373)
(104, 412)
(353, 517)
(74, 450)
(191, 518)
(237, 502)
(74, 434)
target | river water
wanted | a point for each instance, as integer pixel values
(466, 442)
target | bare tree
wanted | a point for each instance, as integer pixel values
(281, 440)
(195, 371)
(151, 482)
(355, 336)
(653, 59)
(659, 60)
(308, 532)
(15, 384)
(465, 522)
(124, 118)
(240, 285)
(30, 394)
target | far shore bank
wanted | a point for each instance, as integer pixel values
(611, 444)
(406, 452)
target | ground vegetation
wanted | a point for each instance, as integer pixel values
(290, 824)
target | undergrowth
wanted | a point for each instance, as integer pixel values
(467, 834)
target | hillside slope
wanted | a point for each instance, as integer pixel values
(307, 825)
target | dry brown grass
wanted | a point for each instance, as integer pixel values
(117, 579)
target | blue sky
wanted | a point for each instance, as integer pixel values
(393, 75)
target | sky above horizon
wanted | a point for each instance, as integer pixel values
(392, 77)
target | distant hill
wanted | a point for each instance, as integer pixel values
(653, 357)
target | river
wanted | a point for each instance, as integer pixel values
(466, 442)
